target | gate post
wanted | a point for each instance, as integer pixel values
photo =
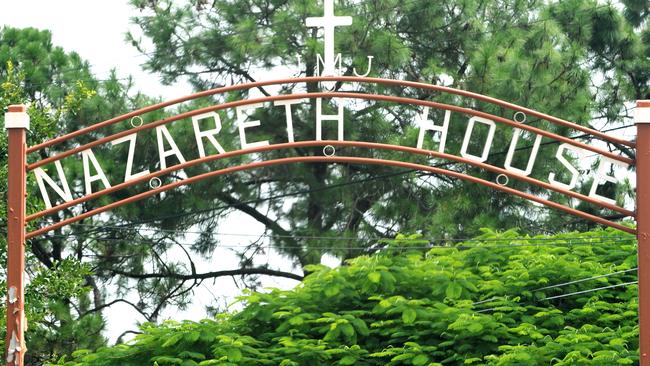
(16, 124)
(642, 121)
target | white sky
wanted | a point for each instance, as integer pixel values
(96, 30)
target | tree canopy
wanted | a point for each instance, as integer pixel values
(578, 60)
(498, 299)
(62, 295)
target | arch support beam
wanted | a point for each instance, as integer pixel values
(16, 124)
(642, 120)
(324, 143)
(328, 159)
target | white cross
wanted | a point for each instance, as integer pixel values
(328, 21)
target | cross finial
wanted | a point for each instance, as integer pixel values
(328, 21)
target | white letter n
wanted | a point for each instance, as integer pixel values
(63, 191)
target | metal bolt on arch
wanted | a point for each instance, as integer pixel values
(153, 183)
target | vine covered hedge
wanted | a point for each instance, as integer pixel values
(479, 302)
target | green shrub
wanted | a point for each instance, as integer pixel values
(470, 303)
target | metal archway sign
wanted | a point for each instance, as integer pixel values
(17, 123)
(150, 184)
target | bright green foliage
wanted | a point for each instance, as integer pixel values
(467, 303)
(45, 294)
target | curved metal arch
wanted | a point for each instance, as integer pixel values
(400, 83)
(332, 159)
(360, 144)
(348, 95)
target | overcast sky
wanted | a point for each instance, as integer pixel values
(96, 30)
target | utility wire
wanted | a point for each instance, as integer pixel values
(560, 285)
(587, 279)
(495, 298)
(270, 198)
(432, 239)
(433, 243)
(591, 290)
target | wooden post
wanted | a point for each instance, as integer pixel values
(16, 124)
(642, 120)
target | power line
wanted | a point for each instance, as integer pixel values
(83, 80)
(348, 238)
(586, 279)
(571, 242)
(536, 242)
(590, 290)
(496, 246)
(610, 240)
(564, 284)
(270, 198)
(59, 83)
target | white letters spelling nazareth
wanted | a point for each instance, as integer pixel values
(242, 124)
(209, 134)
(602, 177)
(574, 172)
(320, 117)
(88, 156)
(426, 124)
(63, 191)
(488, 141)
(511, 152)
(129, 159)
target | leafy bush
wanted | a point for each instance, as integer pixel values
(470, 303)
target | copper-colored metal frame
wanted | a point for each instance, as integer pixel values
(643, 231)
(368, 145)
(384, 98)
(332, 159)
(347, 79)
(18, 169)
(16, 193)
